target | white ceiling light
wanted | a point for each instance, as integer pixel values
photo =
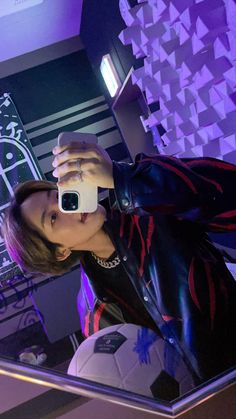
(110, 75)
(8, 7)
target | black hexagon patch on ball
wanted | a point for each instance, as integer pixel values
(165, 387)
(109, 343)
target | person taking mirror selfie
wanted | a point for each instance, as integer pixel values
(148, 250)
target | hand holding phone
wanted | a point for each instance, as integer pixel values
(95, 169)
(81, 196)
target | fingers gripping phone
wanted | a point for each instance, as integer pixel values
(82, 197)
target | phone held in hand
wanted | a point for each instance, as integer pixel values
(82, 197)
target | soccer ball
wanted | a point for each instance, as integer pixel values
(133, 358)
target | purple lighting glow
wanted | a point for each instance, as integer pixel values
(48, 22)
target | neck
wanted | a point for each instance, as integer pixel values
(100, 244)
(103, 248)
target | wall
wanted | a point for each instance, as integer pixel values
(62, 94)
(40, 56)
(48, 22)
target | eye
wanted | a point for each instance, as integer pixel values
(53, 218)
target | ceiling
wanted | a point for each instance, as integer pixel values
(32, 24)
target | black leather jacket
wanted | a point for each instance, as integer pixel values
(161, 210)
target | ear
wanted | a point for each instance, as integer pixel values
(62, 253)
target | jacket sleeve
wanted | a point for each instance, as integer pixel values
(168, 185)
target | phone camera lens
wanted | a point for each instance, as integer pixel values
(70, 201)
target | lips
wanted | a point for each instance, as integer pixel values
(83, 217)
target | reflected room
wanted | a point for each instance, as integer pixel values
(137, 295)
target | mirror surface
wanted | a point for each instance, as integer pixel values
(45, 319)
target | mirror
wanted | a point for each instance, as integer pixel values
(44, 318)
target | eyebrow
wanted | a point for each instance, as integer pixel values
(42, 219)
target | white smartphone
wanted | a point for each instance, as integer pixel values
(83, 197)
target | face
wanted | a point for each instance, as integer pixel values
(40, 210)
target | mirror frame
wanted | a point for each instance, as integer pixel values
(93, 390)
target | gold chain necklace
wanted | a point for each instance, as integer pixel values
(108, 265)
